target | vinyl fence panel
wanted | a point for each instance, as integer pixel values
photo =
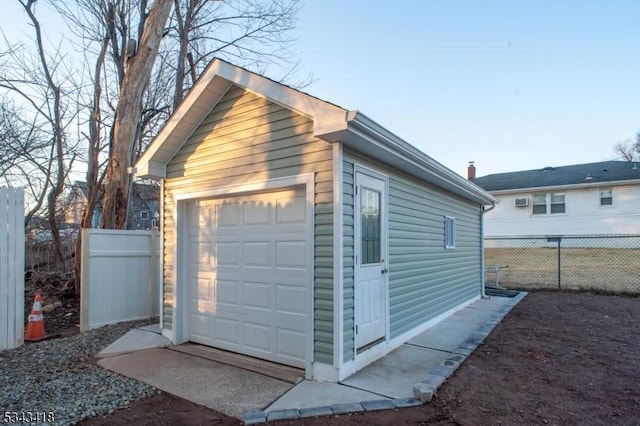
(120, 271)
(11, 268)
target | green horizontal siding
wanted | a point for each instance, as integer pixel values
(425, 279)
(248, 138)
(348, 259)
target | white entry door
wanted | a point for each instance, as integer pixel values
(371, 271)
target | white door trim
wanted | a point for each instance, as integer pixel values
(180, 285)
(359, 168)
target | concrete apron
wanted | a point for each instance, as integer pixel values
(409, 375)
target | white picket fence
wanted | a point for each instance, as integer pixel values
(11, 268)
(120, 276)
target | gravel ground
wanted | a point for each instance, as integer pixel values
(61, 376)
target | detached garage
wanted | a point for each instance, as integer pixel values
(302, 233)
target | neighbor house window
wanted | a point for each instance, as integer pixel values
(540, 204)
(144, 215)
(606, 197)
(449, 232)
(557, 203)
(548, 203)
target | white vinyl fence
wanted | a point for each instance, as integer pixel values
(11, 268)
(120, 276)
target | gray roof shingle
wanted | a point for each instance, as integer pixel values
(605, 171)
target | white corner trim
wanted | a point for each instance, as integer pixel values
(325, 373)
(338, 273)
(161, 262)
(169, 334)
(275, 183)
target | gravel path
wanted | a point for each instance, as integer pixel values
(60, 375)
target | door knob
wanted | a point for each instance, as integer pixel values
(385, 270)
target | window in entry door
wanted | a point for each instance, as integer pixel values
(370, 225)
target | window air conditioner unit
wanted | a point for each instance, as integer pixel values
(521, 202)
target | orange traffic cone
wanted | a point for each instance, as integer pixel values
(35, 326)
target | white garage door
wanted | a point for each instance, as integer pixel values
(248, 283)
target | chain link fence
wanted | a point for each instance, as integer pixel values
(608, 263)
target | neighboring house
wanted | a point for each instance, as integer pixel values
(144, 208)
(302, 233)
(583, 199)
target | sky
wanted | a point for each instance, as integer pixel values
(511, 85)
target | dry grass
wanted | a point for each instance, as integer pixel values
(602, 269)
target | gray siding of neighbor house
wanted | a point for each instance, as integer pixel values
(246, 138)
(425, 279)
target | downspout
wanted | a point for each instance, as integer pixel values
(483, 210)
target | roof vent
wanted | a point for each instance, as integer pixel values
(588, 177)
(547, 169)
(605, 170)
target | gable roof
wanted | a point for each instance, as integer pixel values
(574, 175)
(330, 122)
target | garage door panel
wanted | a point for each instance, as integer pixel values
(290, 344)
(291, 254)
(227, 253)
(228, 293)
(227, 331)
(290, 299)
(258, 337)
(257, 253)
(257, 213)
(200, 327)
(257, 295)
(201, 255)
(227, 215)
(248, 279)
(291, 211)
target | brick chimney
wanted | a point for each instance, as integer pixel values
(471, 171)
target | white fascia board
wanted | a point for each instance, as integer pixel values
(566, 187)
(214, 82)
(166, 143)
(326, 116)
(392, 149)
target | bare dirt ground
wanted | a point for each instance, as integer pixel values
(558, 358)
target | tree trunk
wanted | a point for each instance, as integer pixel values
(128, 113)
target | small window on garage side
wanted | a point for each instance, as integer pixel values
(144, 215)
(449, 232)
(606, 197)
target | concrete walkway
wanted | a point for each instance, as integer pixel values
(409, 375)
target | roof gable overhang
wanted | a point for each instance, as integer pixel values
(330, 122)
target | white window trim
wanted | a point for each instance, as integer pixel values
(449, 232)
(600, 196)
(548, 203)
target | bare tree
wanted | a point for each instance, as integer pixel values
(628, 150)
(32, 77)
(26, 155)
(138, 69)
(254, 33)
